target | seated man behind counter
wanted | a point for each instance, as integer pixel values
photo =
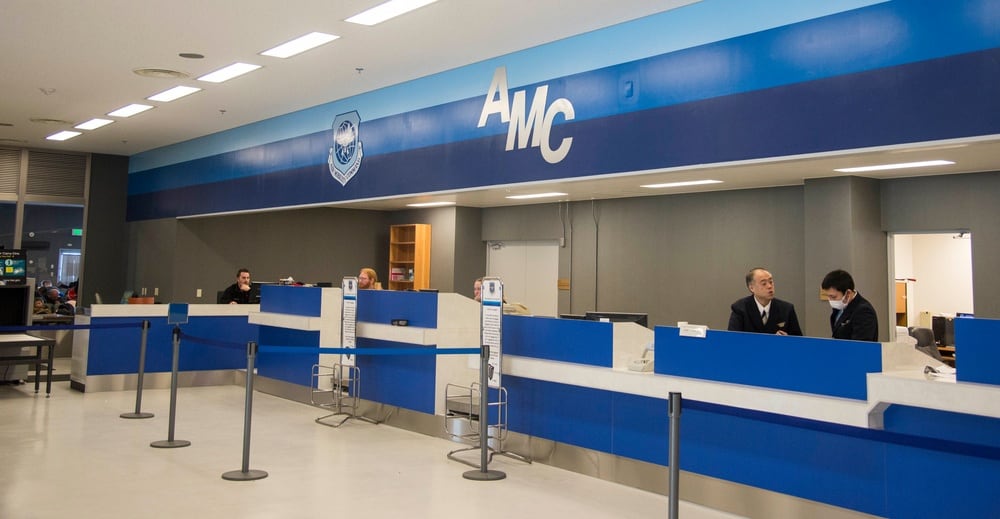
(761, 312)
(241, 292)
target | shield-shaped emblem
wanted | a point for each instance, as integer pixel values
(346, 153)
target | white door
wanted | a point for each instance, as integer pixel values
(529, 271)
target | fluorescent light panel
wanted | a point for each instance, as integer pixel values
(63, 135)
(390, 9)
(93, 124)
(227, 73)
(299, 45)
(682, 184)
(174, 93)
(430, 204)
(130, 110)
(900, 165)
(536, 195)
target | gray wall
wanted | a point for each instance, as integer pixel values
(105, 256)
(677, 257)
(953, 203)
(311, 245)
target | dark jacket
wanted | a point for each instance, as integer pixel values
(233, 293)
(858, 322)
(746, 318)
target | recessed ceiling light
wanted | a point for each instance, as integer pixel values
(536, 195)
(900, 165)
(191, 55)
(299, 45)
(430, 204)
(227, 73)
(390, 9)
(46, 120)
(93, 124)
(63, 135)
(682, 184)
(174, 93)
(160, 73)
(130, 110)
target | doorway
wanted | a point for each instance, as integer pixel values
(529, 271)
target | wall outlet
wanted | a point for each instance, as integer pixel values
(197, 293)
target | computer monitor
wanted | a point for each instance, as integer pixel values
(16, 302)
(572, 316)
(619, 317)
(13, 267)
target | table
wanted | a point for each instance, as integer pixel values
(22, 340)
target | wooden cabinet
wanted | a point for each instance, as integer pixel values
(409, 256)
(901, 303)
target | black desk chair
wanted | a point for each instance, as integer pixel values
(925, 341)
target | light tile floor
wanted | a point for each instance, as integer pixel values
(72, 456)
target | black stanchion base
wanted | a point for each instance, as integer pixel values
(239, 475)
(135, 415)
(170, 444)
(479, 475)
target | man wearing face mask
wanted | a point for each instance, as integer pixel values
(853, 317)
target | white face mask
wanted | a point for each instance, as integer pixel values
(838, 304)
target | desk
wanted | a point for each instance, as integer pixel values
(51, 319)
(24, 340)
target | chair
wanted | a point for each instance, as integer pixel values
(925, 341)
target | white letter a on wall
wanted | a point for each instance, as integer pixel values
(497, 101)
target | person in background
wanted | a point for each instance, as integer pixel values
(240, 292)
(761, 312)
(55, 304)
(71, 290)
(368, 279)
(40, 308)
(852, 317)
(477, 290)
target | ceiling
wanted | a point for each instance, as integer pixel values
(67, 61)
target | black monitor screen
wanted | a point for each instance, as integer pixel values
(15, 305)
(620, 317)
(13, 267)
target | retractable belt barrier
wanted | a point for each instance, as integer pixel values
(56, 327)
(253, 349)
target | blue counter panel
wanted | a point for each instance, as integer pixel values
(567, 340)
(943, 425)
(283, 299)
(407, 381)
(641, 428)
(114, 351)
(979, 360)
(921, 483)
(290, 367)
(570, 414)
(805, 364)
(383, 306)
(840, 470)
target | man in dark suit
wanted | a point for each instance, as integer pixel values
(761, 312)
(853, 317)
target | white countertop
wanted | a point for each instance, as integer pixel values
(160, 310)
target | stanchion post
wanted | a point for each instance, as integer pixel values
(674, 412)
(484, 412)
(245, 474)
(170, 442)
(142, 370)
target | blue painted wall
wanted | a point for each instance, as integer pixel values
(893, 72)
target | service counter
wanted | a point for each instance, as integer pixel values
(107, 359)
(311, 317)
(851, 424)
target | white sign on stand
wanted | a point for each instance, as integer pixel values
(349, 318)
(491, 332)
